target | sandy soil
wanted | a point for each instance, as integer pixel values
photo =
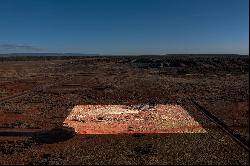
(220, 85)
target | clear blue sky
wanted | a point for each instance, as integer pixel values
(124, 26)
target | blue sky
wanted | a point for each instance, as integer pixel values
(124, 26)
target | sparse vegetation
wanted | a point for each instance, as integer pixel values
(40, 92)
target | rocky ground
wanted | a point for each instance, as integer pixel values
(38, 95)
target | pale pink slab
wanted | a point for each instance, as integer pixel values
(118, 119)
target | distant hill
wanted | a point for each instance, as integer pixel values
(57, 56)
(206, 55)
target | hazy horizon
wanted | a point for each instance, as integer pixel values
(96, 54)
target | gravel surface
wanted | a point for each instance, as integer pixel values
(138, 83)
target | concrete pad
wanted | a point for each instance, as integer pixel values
(144, 118)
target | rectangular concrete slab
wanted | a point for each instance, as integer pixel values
(143, 118)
